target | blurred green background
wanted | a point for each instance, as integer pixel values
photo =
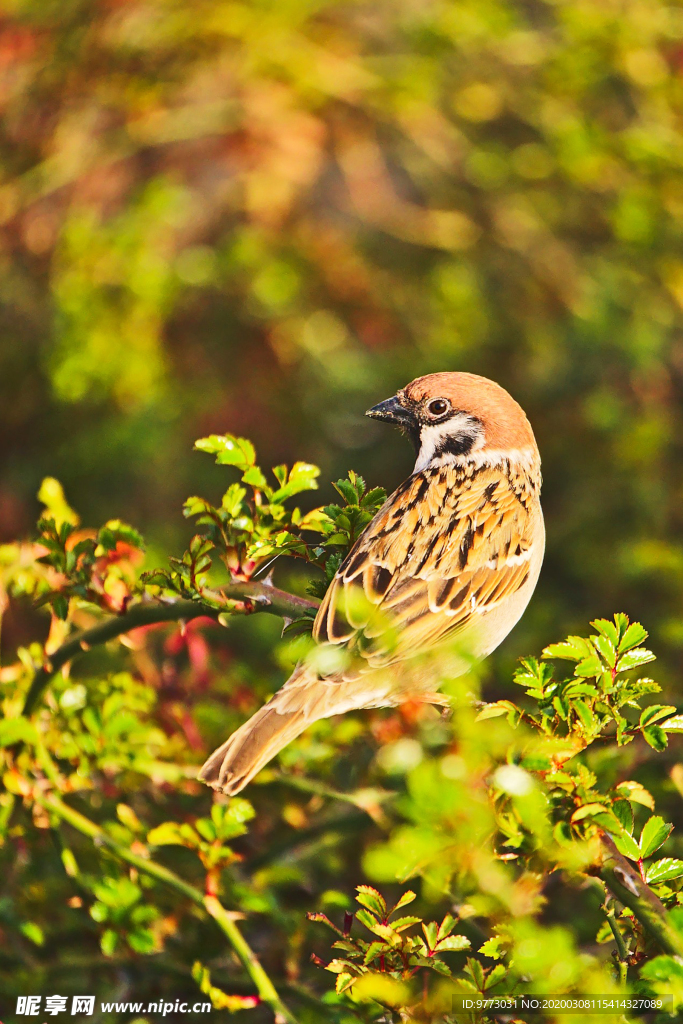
(264, 217)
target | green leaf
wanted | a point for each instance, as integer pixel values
(588, 811)
(636, 793)
(585, 715)
(634, 658)
(664, 870)
(33, 932)
(401, 923)
(108, 942)
(590, 666)
(141, 941)
(624, 814)
(663, 968)
(655, 832)
(374, 950)
(168, 834)
(446, 926)
(607, 629)
(654, 712)
(431, 933)
(229, 450)
(476, 972)
(16, 730)
(454, 943)
(495, 710)
(255, 478)
(606, 648)
(303, 477)
(372, 899)
(497, 974)
(656, 737)
(674, 724)
(493, 948)
(435, 964)
(405, 899)
(574, 648)
(634, 635)
(626, 845)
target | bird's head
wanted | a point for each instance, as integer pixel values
(449, 416)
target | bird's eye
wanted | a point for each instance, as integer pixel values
(438, 406)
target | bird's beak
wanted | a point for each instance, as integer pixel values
(392, 411)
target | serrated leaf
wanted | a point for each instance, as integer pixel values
(585, 715)
(634, 658)
(588, 811)
(374, 950)
(371, 899)
(344, 982)
(655, 832)
(476, 972)
(495, 710)
(373, 925)
(589, 667)
(656, 737)
(303, 477)
(654, 712)
(634, 635)
(497, 974)
(626, 845)
(636, 793)
(431, 933)
(574, 648)
(663, 870)
(493, 948)
(624, 814)
(255, 478)
(228, 449)
(401, 923)
(454, 943)
(606, 649)
(435, 964)
(446, 926)
(607, 629)
(337, 966)
(405, 899)
(674, 724)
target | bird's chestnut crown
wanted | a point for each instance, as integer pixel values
(448, 416)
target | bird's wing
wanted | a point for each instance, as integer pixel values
(450, 544)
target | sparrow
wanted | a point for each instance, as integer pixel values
(452, 557)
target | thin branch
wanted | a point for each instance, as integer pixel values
(213, 907)
(626, 884)
(258, 597)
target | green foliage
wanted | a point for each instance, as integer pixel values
(486, 808)
(268, 217)
(244, 532)
(341, 525)
(391, 951)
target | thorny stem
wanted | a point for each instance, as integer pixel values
(625, 883)
(259, 596)
(211, 904)
(618, 937)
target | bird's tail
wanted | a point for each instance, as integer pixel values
(234, 764)
(302, 700)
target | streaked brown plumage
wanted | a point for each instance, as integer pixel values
(453, 555)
